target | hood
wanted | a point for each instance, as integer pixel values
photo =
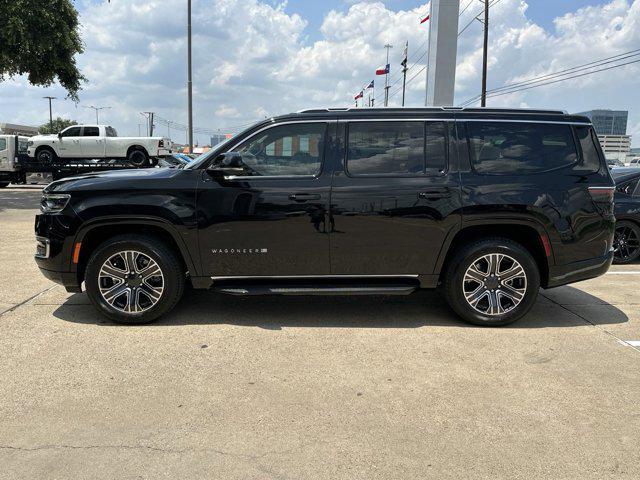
(117, 179)
(45, 136)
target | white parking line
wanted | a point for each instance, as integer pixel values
(633, 343)
(630, 272)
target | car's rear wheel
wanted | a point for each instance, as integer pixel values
(134, 279)
(138, 158)
(492, 282)
(626, 242)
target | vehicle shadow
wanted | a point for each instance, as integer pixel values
(425, 308)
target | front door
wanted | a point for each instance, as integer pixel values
(272, 219)
(395, 197)
(69, 143)
(91, 144)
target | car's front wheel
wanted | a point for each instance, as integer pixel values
(46, 156)
(492, 282)
(134, 279)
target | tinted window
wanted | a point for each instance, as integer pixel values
(520, 148)
(396, 148)
(111, 132)
(91, 132)
(628, 188)
(590, 157)
(3, 143)
(294, 149)
(72, 132)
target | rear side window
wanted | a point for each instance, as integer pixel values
(520, 148)
(3, 143)
(396, 148)
(590, 158)
(629, 188)
(90, 132)
(111, 132)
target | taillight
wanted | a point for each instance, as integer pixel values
(602, 194)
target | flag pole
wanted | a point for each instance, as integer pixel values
(388, 46)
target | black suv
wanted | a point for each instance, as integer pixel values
(489, 204)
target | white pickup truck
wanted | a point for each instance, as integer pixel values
(96, 142)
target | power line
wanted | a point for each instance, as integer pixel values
(475, 17)
(564, 72)
(498, 94)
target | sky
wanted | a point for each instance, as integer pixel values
(259, 58)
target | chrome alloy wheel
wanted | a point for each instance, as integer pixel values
(131, 282)
(626, 243)
(494, 284)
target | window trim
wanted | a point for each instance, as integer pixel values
(576, 147)
(425, 173)
(282, 177)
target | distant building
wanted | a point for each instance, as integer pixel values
(217, 138)
(14, 129)
(611, 128)
(608, 122)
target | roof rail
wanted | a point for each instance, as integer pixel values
(448, 108)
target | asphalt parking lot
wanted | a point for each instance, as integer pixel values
(310, 388)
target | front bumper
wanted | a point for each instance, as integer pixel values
(579, 271)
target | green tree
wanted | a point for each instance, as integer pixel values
(59, 124)
(40, 38)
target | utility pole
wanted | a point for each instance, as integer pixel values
(189, 78)
(388, 46)
(97, 109)
(484, 54)
(404, 70)
(149, 117)
(50, 113)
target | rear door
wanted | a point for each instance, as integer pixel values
(395, 196)
(91, 143)
(271, 220)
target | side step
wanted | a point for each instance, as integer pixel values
(245, 290)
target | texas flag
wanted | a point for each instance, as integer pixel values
(371, 85)
(424, 19)
(383, 70)
(360, 95)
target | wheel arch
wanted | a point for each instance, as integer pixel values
(39, 148)
(96, 233)
(531, 236)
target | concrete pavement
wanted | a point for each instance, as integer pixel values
(297, 388)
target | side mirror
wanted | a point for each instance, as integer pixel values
(59, 135)
(229, 163)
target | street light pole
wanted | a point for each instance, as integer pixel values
(50, 114)
(386, 77)
(189, 78)
(97, 109)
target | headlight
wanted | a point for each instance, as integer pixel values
(30, 143)
(54, 202)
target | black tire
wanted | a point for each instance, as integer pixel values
(138, 158)
(526, 288)
(4, 184)
(165, 258)
(46, 156)
(626, 244)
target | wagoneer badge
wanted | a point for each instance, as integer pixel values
(239, 251)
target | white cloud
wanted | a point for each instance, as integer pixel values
(253, 59)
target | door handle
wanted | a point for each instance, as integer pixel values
(434, 194)
(304, 197)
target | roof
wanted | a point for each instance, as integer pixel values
(434, 113)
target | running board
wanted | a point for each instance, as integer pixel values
(246, 290)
